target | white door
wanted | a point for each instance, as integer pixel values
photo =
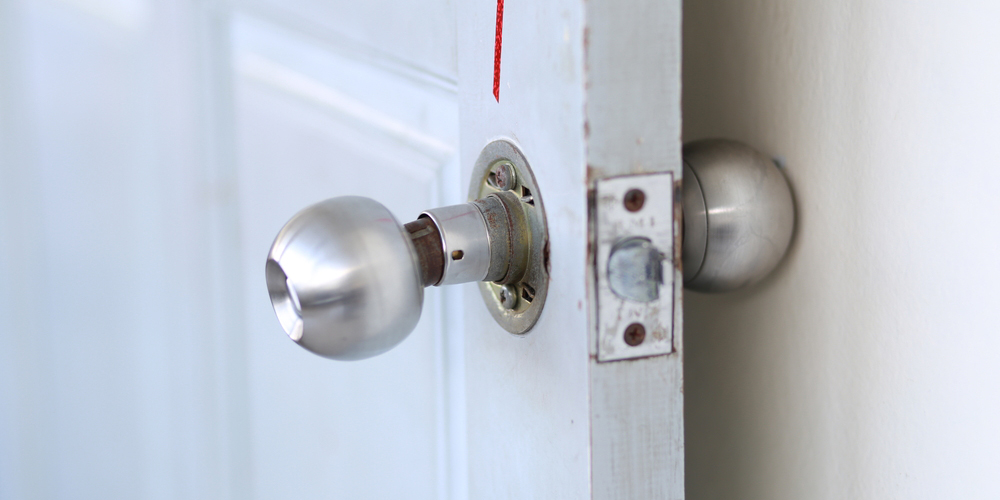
(333, 99)
(589, 91)
(151, 152)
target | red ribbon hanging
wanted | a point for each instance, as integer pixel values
(496, 51)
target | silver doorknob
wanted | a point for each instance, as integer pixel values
(346, 279)
(738, 215)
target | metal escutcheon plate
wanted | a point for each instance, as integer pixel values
(620, 313)
(531, 290)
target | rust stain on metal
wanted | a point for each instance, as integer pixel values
(493, 219)
(634, 200)
(509, 278)
(545, 259)
(660, 333)
(635, 334)
(430, 251)
(591, 225)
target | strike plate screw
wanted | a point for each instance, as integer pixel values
(508, 297)
(634, 199)
(635, 334)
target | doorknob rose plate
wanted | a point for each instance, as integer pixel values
(502, 170)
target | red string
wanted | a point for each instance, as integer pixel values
(496, 51)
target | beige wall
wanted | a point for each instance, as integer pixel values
(868, 365)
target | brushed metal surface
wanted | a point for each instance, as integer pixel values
(635, 269)
(465, 241)
(695, 224)
(748, 215)
(343, 278)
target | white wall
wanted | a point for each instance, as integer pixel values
(868, 366)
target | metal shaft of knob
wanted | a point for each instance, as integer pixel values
(476, 241)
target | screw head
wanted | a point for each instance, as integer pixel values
(505, 176)
(634, 200)
(635, 334)
(508, 297)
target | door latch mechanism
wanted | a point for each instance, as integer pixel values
(736, 222)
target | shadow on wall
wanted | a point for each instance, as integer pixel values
(858, 368)
(725, 91)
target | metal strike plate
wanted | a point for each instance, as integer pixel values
(635, 266)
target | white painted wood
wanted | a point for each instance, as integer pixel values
(407, 36)
(150, 151)
(528, 406)
(110, 386)
(314, 124)
(586, 90)
(633, 113)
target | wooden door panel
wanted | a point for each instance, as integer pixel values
(312, 124)
(419, 35)
(529, 431)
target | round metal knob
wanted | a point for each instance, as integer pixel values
(738, 215)
(344, 279)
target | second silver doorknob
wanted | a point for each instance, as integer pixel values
(738, 215)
